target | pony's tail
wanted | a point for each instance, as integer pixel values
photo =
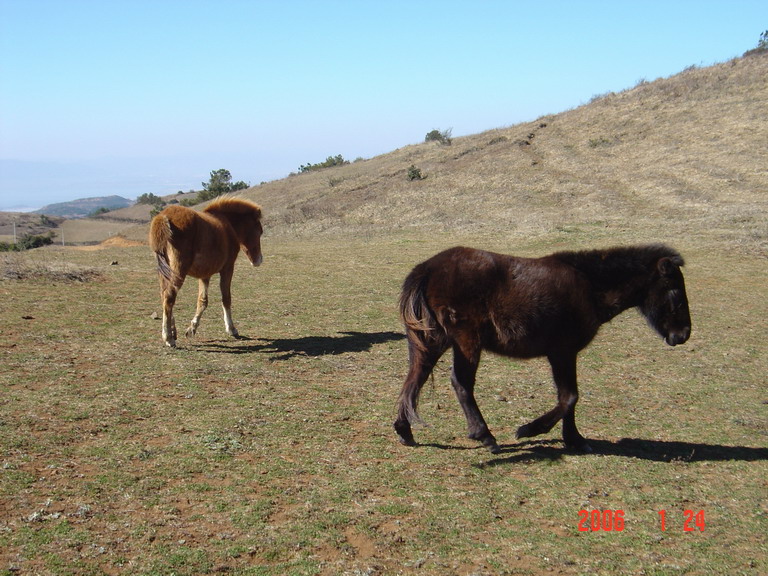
(424, 335)
(159, 238)
(419, 321)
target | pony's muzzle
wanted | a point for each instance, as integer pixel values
(255, 261)
(678, 336)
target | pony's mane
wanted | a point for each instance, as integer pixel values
(619, 262)
(233, 205)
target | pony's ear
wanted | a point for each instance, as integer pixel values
(666, 266)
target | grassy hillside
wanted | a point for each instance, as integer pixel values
(675, 158)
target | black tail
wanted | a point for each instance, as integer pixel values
(426, 342)
(419, 321)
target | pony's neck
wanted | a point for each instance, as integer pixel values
(612, 302)
(619, 276)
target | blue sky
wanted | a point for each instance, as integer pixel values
(130, 96)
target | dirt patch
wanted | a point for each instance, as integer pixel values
(113, 242)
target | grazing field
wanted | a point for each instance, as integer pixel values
(274, 454)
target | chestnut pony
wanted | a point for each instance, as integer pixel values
(201, 244)
(471, 300)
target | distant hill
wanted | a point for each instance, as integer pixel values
(84, 206)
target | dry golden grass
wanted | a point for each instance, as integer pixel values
(679, 158)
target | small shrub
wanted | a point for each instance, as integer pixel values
(47, 222)
(331, 161)
(598, 142)
(414, 173)
(441, 137)
(762, 45)
(31, 241)
(150, 199)
(98, 212)
(28, 242)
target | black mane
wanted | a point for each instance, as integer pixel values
(608, 265)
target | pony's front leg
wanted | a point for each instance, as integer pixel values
(225, 278)
(202, 304)
(564, 373)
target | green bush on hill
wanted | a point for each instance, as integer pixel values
(329, 162)
(27, 242)
(439, 136)
(762, 45)
(219, 183)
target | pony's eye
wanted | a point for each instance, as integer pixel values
(675, 302)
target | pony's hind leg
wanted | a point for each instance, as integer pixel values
(422, 361)
(169, 292)
(202, 304)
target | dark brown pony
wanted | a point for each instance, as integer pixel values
(201, 244)
(471, 300)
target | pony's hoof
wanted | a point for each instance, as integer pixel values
(580, 446)
(493, 448)
(523, 432)
(490, 443)
(406, 441)
(404, 435)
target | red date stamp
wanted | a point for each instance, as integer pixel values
(613, 520)
(692, 521)
(596, 520)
